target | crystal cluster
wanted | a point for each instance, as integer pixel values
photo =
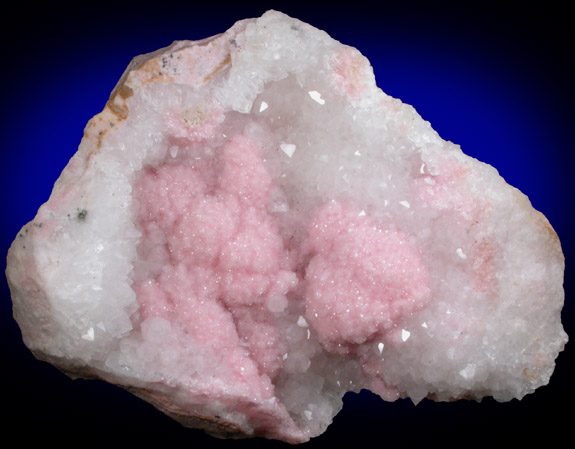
(252, 228)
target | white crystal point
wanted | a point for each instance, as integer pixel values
(251, 228)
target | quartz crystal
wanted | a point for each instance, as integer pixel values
(252, 228)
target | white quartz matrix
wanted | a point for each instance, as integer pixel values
(252, 228)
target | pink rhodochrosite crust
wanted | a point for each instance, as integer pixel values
(361, 278)
(251, 228)
(219, 259)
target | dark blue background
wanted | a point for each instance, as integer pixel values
(496, 81)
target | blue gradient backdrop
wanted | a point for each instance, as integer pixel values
(497, 82)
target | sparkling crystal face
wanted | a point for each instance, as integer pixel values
(252, 228)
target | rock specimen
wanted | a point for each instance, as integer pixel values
(251, 228)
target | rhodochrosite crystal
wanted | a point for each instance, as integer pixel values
(251, 228)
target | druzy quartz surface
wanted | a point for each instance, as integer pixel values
(252, 228)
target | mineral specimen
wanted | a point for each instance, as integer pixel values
(251, 228)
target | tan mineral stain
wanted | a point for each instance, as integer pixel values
(224, 63)
(125, 91)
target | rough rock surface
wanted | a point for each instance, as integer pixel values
(251, 228)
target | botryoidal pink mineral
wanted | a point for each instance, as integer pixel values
(252, 228)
